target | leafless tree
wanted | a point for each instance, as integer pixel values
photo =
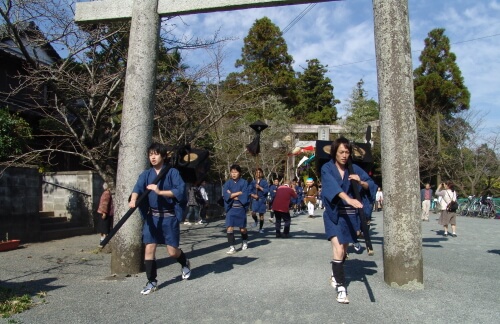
(471, 159)
(81, 117)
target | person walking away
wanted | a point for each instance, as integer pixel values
(259, 191)
(300, 197)
(310, 194)
(106, 211)
(339, 205)
(272, 195)
(281, 208)
(203, 202)
(236, 199)
(162, 214)
(379, 198)
(425, 199)
(447, 193)
(195, 201)
(320, 200)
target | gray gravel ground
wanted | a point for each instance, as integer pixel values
(274, 281)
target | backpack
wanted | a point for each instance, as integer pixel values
(198, 196)
(452, 206)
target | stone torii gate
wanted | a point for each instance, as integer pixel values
(403, 264)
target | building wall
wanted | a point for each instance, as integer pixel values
(72, 194)
(20, 201)
(24, 192)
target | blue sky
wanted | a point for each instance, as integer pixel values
(340, 35)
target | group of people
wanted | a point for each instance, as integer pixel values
(163, 212)
(308, 197)
(447, 194)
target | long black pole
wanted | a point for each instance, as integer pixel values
(364, 222)
(125, 217)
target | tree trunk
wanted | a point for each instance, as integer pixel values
(136, 131)
(438, 147)
(403, 265)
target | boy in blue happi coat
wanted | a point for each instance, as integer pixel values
(162, 214)
(236, 198)
(259, 190)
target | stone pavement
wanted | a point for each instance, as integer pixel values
(274, 281)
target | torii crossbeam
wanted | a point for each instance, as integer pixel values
(111, 10)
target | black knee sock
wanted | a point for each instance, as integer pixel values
(338, 272)
(261, 224)
(150, 269)
(254, 218)
(272, 214)
(230, 238)
(182, 259)
(244, 236)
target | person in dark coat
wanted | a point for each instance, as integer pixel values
(106, 211)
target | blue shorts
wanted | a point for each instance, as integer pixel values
(161, 230)
(344, 230)
(236, 217)
(259, 206)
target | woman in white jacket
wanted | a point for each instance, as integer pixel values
(447, 193)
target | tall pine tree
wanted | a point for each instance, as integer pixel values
(266, 62)
(440, 92)
(315, 94)
(439, 85)
(361, 110)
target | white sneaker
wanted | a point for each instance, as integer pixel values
(151, 286)
(200, 222)
(342, 295)
(261, 231)
(357, 247)
(232, 250)
(187, 223)
(244, 245)
(186, 271)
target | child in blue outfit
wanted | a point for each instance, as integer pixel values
(259, 190)
(162, 214)
(236, 198)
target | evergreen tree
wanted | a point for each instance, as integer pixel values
(315, 94)
(266, 62)
(439, 85)
(439, 93)
(361, 111)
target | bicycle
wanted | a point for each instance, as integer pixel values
(487, 209)
(471, 207)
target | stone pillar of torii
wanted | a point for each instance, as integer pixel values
(403, 264)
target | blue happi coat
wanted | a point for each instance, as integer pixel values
(236, 186)
(368, 198)
(171, 181)
(259, 205)
(333, 184)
